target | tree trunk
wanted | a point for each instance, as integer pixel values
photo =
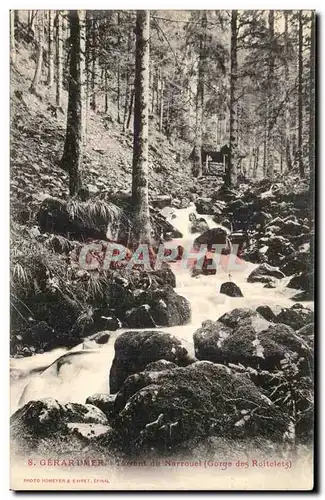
(161, 117)
(231, 174)
(72, 155)
(118, 93)
(93, 69)
(265, 142)
(17, 19)
(217, 132)
(300, 94)
(12, 38)
(130, 110)
(287, 101)
(118, 74)
(106, 87)
(59, 65)
(31, 23)
(140, 166)
(126, 102)
(38, 70)
(312, 108)
(87, 66)
(158, 70)
(127, 83)
(199, 101)
(50, 76)
(269, 160)
(225, 130)
(256, 161)
(152, 89)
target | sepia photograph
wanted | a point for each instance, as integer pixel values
(162, 220)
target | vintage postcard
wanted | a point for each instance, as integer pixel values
(162, 249)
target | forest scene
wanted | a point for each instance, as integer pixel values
(162, 168)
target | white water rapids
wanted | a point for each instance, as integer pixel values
(71, 375)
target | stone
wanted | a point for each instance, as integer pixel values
(296, 317)
(208, 339)
(140, 317)
(244, 316)
(231, 289)
(134, 350)
(167, 308)
(46, 418)
(50, 428)
(269, 312)
(264, 349)
(301, 281)
(263, 273)
(105, 402)
(163, 411)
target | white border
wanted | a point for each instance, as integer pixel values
(4, 184)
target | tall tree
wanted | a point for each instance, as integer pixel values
(231, 174)
(59, 62)
(268, 156)
(140, 166)
(50, 75)
(199, 100)
(127, 82)
(94, 65)
(287, 88)
(118, 73)
(38, 70)
(73, 147)
(312, 106)
(12, 37)
(300, 93)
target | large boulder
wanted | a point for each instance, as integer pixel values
(47, 420)
(165, 410)
(246, 345)
(167, 308)
(135, 350)
(208, 340)
(269, 312)
(231, 289)
(296, 316)
(140, 317)
(244, 316)
(105, 402)
(301, 281)
(264, 350)
(264, 274)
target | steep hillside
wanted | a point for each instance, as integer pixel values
(37, 140)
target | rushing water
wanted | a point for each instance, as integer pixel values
(71, 375)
